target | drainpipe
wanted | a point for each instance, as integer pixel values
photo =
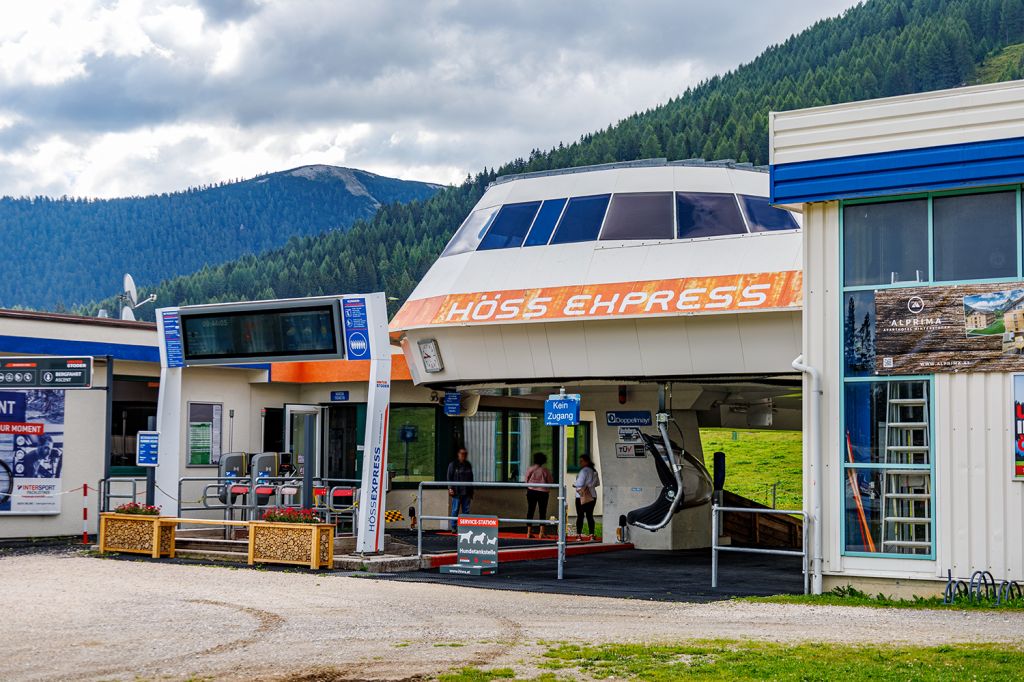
(816, 470)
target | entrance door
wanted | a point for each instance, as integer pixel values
(302, 439)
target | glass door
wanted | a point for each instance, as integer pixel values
(302, 440)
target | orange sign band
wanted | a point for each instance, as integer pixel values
(684, 296)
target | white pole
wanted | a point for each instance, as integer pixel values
(816, 474)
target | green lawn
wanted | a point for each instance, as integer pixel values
(730, 660)
(850, 596)
(754, 459)
(997, 328)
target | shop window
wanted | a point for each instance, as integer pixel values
(468, 236)
(577, 443)
(581, 221)
(510, 226)
(544, 224)
(639, 215)
(412, 438)
(885, 243)
(707, 214)
(501, 443)
(887, 471)
(859, 334)
(763, 217)
(975, 236)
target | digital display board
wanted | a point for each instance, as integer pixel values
(275, 331)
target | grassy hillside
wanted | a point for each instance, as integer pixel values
(754, 460)
(1004, 65)
(876, 49)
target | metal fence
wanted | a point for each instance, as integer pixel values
(716, 548)
(521, 486)
(128, 490)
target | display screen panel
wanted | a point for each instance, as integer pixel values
(282, 332)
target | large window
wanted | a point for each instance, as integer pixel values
(975, 236)
(509, 228)
(468, 237)
(501, 443)
(412, 443)
(885, 243)
(544, 223)
(577, 444)
(763, 217)
(581, 221)
(639, 215)
(706, 214)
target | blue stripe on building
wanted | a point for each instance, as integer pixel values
(29, 345)
(954, 166)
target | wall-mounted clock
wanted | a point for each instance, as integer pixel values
(431, 356)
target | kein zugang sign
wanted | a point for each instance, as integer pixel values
(961, 328)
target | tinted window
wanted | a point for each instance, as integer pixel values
(544, 224)
(582, 219)
(763, 217)
(975, 236)
(511, 225)
(471, 232)
(640, 215)
(704, 214)
(885, 243)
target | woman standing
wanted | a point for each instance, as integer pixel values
(586, 485)
(537, 497)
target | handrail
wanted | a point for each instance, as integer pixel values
(490, 484)
(716, 548)
(105, 490)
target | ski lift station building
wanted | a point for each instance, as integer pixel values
(865, 289)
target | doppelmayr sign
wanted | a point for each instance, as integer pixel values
(629, 418)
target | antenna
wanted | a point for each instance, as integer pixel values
(129, 298)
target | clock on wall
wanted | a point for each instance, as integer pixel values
(431, 356)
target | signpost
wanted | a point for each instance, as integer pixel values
(478, 546)
(452, 403)
(46, 372)
(147, 454)
(562, 409)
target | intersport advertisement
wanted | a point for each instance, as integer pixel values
(31, 451)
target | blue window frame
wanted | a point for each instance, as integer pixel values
(581, 220)
(763, 217)
(707, 214)
(544, 223)
(510, 226)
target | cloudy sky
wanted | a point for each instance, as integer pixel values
(119, 98)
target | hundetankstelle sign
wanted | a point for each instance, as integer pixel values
(958, 328)
(478, 546)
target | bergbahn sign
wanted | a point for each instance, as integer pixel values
(46, 372)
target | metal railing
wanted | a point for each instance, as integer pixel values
(716, 548)
(514, 485)
(106, 494)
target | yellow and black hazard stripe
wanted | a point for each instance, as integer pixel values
(393, 516)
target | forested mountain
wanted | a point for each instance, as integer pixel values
(69, 251)
(876, 49)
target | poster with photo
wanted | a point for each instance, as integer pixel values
(1018, 427)
(31, 451)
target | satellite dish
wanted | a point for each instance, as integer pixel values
(131, 292)
(127, 314)
(103, 314)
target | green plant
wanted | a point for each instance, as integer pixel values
(290, 515)
(137, 509)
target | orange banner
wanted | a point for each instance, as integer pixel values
(685, 296)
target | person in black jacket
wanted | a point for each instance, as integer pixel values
(460, 495)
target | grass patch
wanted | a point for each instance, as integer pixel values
(729, 660)
(478, 675)
(851, 596)
(756, 458)
(1003, 65)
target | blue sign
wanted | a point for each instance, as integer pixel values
(629, 418)
(562, 411)
(452, 403)
(339, 396)
(148, 448)
(172, 339)
(357, 328)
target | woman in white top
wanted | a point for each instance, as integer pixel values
(586, 485)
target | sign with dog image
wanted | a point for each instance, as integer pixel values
(478, 546)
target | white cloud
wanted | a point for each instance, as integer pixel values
(132, 97)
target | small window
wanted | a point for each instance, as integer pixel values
(544, 224)
(581, 221)
(763, 217)
(706, 214)
(975, 236)
(885, 243)
(639, 215)
(510, 226)
(468, 237)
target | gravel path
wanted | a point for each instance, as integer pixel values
(79, 617)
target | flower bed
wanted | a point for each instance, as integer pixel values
(137, 533)
(291, 536)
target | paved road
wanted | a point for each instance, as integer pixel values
(67, 616)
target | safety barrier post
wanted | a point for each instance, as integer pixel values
(714, 546)
(85, 513)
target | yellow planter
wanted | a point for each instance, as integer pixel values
(138, 534)
(304, 544)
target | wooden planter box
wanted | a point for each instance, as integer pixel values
(138, 534)
(304, 544)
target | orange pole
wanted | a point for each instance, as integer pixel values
(865, 532)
